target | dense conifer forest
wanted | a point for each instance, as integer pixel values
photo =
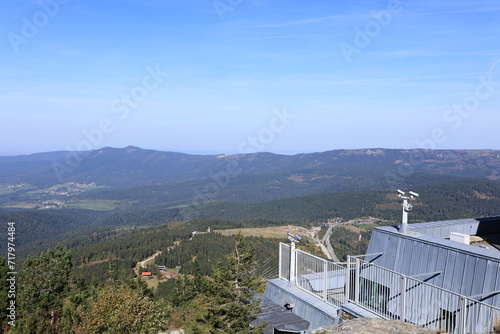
(54, 297)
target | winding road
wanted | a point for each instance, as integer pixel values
(326, 241)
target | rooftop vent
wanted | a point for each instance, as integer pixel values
(460, 237)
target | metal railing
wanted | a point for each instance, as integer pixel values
(389, 294)
(395, 296)
(321, 278)
(481, 317)
(284, 262)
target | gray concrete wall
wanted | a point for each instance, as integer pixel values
(307, 307)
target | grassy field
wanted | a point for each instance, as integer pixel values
(358, 228)
(102, 205)
(355, 229)
(21, 205)
(279, 232)
(5, 191)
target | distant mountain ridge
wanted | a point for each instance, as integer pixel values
(133, 166)
(135, 187)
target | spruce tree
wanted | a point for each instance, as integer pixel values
(43, 286)
(122, 309)
(228, 303)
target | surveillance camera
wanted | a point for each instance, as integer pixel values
(290, 235)
(413, 193)
(298, 237)
(408, 207)
(400, 192)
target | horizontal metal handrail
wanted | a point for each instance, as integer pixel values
(425, 274)
(319, 258)
(388, 293)
(365, 255)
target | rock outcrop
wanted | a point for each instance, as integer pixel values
(373, 326)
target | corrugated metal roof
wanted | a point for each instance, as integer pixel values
(280, 318)
(467, 269)
(470, 226)
(443, 243)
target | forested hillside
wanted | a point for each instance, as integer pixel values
(249, 177)
(53, 297)
(39, 229)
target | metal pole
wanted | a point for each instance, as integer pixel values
(280, 259)
(356, 283)
(463, 315)
(325, 280)
(402, 305)
(348, 278)
(404, 224)
(292, 264)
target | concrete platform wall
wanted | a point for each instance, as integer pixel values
(306, 306)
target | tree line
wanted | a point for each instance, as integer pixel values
(52, 299)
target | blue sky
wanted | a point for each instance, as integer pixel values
(237, 76)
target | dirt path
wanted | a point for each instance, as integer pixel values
(141, 264)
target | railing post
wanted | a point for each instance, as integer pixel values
(402, 304)
(325, 280)
(356, 282)
(280, 262)
(292, 264)
(463, 315)
(348, 278)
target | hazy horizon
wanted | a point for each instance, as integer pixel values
(250, 75)
(4, 154)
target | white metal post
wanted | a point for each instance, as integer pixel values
(356, 282)
(325, 280)
(348, 278)
(404, 224)
(292, 264)
(280, 263)
(406, 208)
(402, 305)
(463, 315)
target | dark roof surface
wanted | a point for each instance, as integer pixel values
(279, 317)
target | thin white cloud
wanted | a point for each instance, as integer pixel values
(313, 20)
(428, 53)
(450, 12)
(277, 37)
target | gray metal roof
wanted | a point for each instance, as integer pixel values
(466, 269)
(470, 226)
(279, 318)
